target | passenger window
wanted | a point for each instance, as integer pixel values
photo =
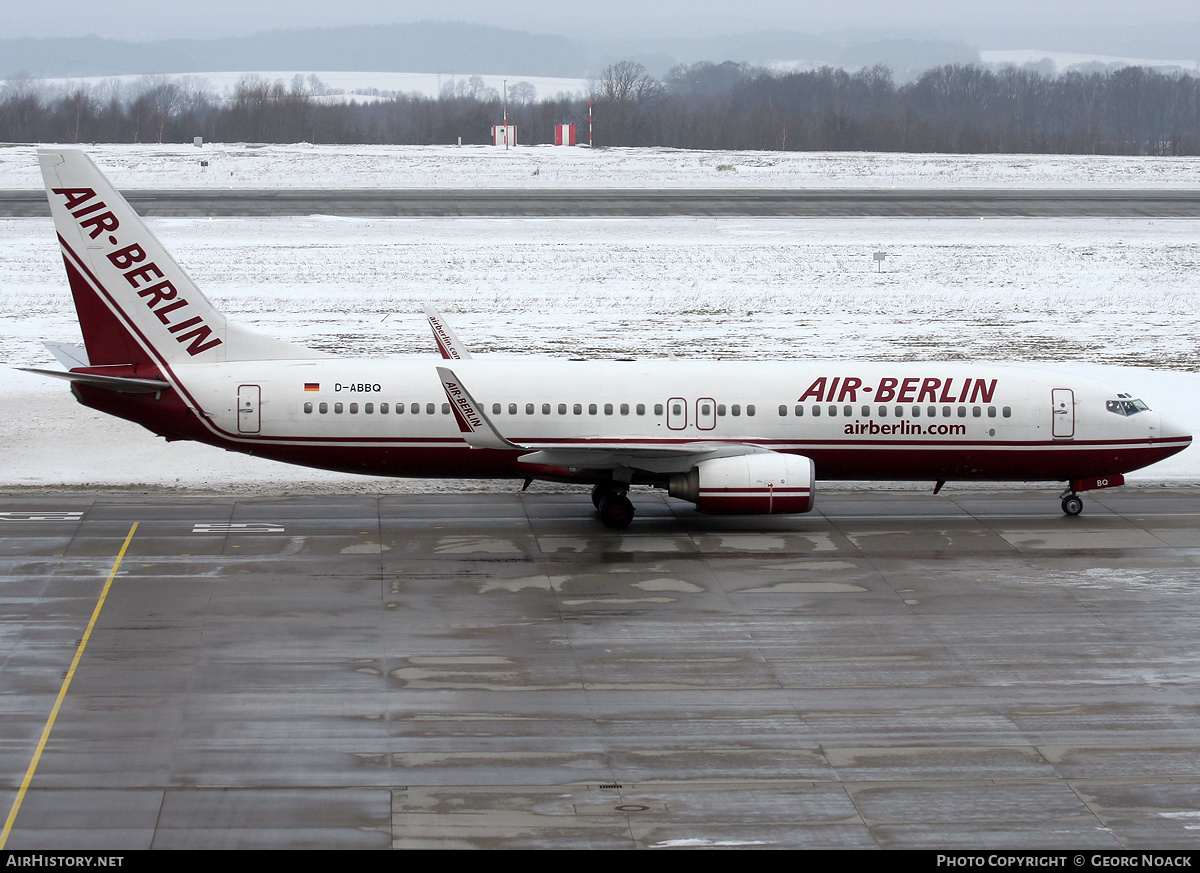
(324, 408)
(962, 412)
(1006, 412)
(832, 411)
(308, 407)
(577, 409)
(562, 409)
(512, 409)
(916, 412)
(931, 412)
(545, 409)
(354, 409)
(658, 409)
(337, 408)
(750, 409)
(735, 409)
(445, 409)
(991, 412)
(782, 411)
(676, 409)
(899, 412)
(368, 408)
(641, 409)
(799, 410)
(945, 412)
(415, 409)
(848, 410)
(430, 408)
(883, 412)
(624, 409)
(496, 408)
(529, 409)
(816, 412)
(592, 409)
(383, 409)
(976, 412)
(720, 409)
(608, 409)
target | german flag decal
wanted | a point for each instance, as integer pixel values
(312, 386)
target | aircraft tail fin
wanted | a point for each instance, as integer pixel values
(136, 305)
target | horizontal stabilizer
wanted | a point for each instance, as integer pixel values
(120, 384)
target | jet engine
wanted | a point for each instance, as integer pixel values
(754, 484)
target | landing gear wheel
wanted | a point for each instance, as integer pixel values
(1072, 504)
(616, 511)
(599, 491)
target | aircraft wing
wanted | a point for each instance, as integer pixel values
(479, 432)
(652, 457)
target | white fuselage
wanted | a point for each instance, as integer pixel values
(911, 420)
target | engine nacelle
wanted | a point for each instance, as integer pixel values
(757, 484)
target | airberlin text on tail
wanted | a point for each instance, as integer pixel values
(144, 276)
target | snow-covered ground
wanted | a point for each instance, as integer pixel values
(239, 165)
(1113, 299)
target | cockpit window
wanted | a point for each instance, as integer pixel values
(1126, 406)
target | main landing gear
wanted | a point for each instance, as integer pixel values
(1072, 503)
(616, 510)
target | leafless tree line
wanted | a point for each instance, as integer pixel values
(1133, 110)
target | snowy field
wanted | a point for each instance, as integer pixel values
(239, 165)
(1115, 299)
(1064, 61)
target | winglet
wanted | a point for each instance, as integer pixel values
(447, 341)
(477, 430)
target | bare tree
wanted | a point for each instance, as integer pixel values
(626, 82)
(523, 92)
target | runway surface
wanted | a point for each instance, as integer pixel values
(833, 202)
(496, 670)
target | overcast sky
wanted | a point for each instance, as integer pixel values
(961, 19)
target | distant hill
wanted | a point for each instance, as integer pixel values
(425, 47)
(456, 48)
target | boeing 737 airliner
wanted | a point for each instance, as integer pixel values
(730, 437)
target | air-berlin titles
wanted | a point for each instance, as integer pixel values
(161, 298)
(461, 404)
(911, 390)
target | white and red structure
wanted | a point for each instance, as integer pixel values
(564, 134)
(504, 135)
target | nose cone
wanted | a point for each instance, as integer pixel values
(1170, 433)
